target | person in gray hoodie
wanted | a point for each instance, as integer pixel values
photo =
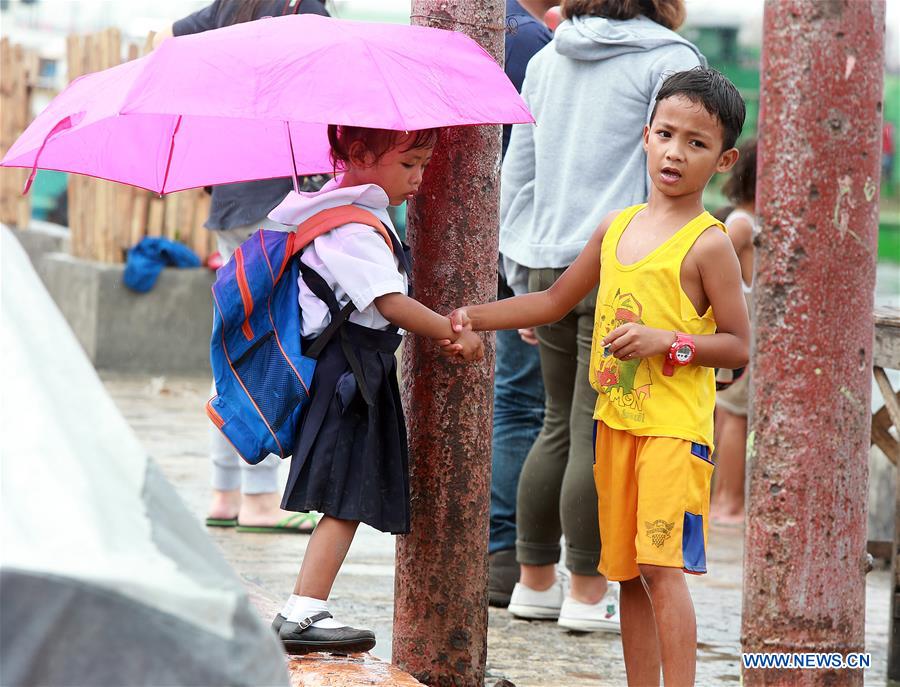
(591, 91)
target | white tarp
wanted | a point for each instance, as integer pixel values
(88, 520)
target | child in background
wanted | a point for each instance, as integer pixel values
(350, 460)
(669, 310)
(727, 505)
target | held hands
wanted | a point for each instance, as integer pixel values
(471, 348)
(467, 344)
(632, 341)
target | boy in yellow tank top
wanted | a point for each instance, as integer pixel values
(669, 309)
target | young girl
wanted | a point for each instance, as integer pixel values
(350, 459)
(727, 505)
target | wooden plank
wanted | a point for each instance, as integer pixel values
(7, 80)
(890, 398)
(199, 239)
(139, 216)
(16, 72)
(186, 216)
(155, 217)
(882, 437)
(171, 217)
(886, 350)
(100, 221)
(879, 549)
(125, 202)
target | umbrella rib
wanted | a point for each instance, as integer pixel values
(287, 126)
(384, 79)
(171, 150)
(61, 125)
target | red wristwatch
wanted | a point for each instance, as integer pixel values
(680, 353)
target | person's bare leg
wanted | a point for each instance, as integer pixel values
(325, 553)
(224, 505)
(538, 577)
(588, 589)
(727, 504)
(261, 510)
(676, 624)
(639, 643)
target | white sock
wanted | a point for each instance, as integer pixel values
(289, 605)
(307, 606)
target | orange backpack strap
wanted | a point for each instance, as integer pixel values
(324, 221)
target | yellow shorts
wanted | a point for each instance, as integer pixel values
(653, 502)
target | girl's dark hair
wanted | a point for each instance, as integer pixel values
(377, 142)
(669, 13)
(714, 92)
(741, 185)
(246, 10)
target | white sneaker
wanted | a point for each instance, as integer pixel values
(603, 615)
(532, 604)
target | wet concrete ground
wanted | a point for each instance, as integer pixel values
(167, 414)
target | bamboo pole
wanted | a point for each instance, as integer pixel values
(17, 72)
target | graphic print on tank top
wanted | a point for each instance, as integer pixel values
(626, 382)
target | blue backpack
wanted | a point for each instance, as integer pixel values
(262, 376)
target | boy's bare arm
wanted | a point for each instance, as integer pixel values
(407, 313)
(720, 274)
(544, 307)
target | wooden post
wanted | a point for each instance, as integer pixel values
(17, 72)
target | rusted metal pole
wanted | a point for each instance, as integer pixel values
(819, 156)
(440, 597)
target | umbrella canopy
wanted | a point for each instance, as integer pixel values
(252, 101)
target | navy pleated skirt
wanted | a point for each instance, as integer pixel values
(350, 459)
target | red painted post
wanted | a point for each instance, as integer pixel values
(819, 158)
(440, 598)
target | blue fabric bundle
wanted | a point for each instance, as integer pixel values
(148, 258)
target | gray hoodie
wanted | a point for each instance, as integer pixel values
(591, 91)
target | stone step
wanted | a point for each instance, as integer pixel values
(327, 670)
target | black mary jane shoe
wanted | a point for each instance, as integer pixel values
(278, 622)
(303, 638)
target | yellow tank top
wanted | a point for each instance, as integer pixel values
(635, 395)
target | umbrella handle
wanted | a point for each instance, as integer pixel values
(65, 123)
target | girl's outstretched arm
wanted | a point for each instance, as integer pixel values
(543, 307)
(407, 313)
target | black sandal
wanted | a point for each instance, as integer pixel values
(303, 638)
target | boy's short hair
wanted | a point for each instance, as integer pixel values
(375, 141)
(715, 92)
(741, 185)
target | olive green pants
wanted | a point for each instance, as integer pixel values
(556, 489)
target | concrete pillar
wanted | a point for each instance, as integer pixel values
(819, 157)
(440, 607)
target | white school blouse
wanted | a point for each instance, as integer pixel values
(353, 259)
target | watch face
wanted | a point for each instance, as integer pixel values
(683, 354)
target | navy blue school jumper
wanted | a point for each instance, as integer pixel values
(350, 459)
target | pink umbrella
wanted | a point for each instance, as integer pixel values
(252, 101)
